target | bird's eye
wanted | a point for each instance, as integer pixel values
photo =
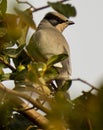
(66, 21)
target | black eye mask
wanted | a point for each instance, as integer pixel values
(54, 20)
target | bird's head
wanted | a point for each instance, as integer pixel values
(58, 20)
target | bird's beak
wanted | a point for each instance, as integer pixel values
(70, 22)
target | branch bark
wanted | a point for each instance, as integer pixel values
(23, 108)
(7, 64)
(85, 82)
(47, 6)
(24, 96)
(31, 114)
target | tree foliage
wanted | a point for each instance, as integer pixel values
(36, 102)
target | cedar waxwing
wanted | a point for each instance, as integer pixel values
(48, 41)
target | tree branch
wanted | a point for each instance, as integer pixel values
(24, 96)
(47, 6)
(85, 82)
(31, 114)
(7, 64)
(37, 9)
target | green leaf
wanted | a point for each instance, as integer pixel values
(66, 9)
(3, 6)
(26, 16)
(5, 113)
(20, 68)
(13, 53)
(1, 68)
(56, 58)
(22, 59)
(3, 31)
(5, 77)
(36, 71)
(37, 67)
(4, 45)
(4, 61)
(96, 109)
(81, 112)
(31, 77)
(34, 51)
(19, 76)
(50, 74)
(14, 30)
(66, 85)
(22, 39)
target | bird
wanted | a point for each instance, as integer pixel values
(48, 40)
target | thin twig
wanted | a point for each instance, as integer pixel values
(90, 124)
(29, 108)
(7, 64)
(37, 9)
(47, 6)
(85, 82)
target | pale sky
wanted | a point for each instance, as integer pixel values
(85, 40)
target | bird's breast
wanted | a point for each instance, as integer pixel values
(52, 42)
